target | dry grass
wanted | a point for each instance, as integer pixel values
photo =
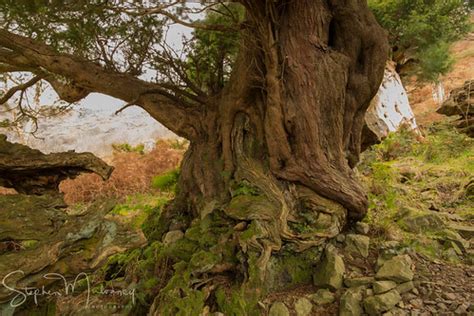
(6, 191)
(133, 173)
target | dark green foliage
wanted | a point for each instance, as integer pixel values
(421, 30)
(212, 54)
(434, 60)
(87, 29)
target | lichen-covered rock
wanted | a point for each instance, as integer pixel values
(375, 305)
(461, 102)
(362, 228)
(398, 269)
(303, 307)
(330, 272)
(465, 231)
(172, 237)
(424, 222)
(358, 244)
(291, 269)
(449, 235)
(405, 287)
(279, 309)
(322, 297)
(350, 304)
(452, 245)
(360, 281)
(383, 286)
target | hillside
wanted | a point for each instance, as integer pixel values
(421, 97)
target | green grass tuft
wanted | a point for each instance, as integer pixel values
(166, 181)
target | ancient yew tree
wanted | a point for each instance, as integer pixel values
(272, 141)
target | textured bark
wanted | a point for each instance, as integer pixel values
(30, 171)
(38, 234)
(305, 76)
(288, 124)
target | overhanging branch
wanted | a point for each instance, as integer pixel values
(171, 106)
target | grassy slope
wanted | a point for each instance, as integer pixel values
(413, 181)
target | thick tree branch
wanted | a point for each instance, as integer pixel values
(11, 58)
(4, 68)
(154, 98)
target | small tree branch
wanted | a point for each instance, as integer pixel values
(22, 87)
(125, 107)
(195, 25)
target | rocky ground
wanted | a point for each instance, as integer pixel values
(413, 254)
(354, 280)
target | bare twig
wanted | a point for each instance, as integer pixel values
(22, 87)
(196, 25)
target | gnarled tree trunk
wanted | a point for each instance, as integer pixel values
(276, 150)
(268, 174)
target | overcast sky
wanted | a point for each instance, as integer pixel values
(101, 101)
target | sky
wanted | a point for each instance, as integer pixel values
(174, 39)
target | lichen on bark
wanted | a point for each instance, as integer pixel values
(39, 234)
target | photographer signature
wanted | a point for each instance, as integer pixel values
(69, 287)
